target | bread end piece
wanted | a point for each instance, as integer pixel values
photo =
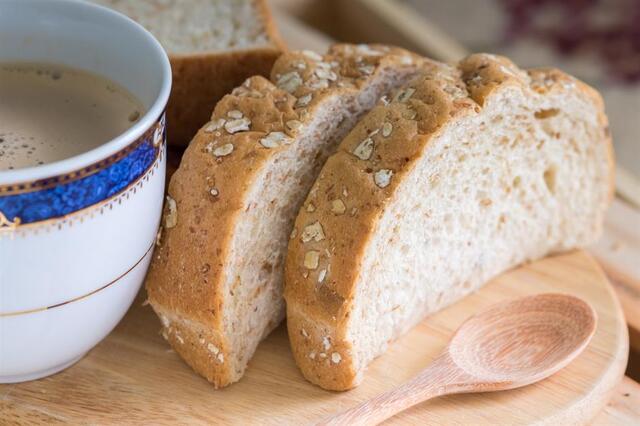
(213, 46)
(200, 81)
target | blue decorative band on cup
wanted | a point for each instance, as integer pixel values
(59, 196)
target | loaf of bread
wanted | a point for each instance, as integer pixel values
(465, 172)
(216, 279)
(213, 46)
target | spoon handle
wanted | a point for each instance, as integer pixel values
(434, 381)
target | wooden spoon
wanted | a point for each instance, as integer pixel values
(509, 345)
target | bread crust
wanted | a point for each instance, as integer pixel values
(200, 80)
(187, 277)
(320, 295)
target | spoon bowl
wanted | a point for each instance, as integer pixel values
(523, 341)
(509, 345)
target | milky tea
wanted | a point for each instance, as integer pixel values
(51, 112)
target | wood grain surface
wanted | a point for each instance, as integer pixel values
(624, 407)
(618, 251)
(133, 377)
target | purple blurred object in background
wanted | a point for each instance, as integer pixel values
(608, 28)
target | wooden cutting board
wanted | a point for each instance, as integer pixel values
(134, 377)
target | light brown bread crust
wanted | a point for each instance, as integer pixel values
(190, 266)
(200, 80)
(321, 274)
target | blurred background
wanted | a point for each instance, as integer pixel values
(596, 40)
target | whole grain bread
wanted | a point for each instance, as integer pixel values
(217, 275)
(213, 46)
(467, 171)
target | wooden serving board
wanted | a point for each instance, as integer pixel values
(133, 376)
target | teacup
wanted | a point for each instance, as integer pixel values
(77, 235)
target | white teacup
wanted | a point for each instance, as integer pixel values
(76, 236)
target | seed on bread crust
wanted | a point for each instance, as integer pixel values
(326, 343)
(170, 213)
(312, 55)
(237, 125)
(313, 232)
(409, 114)
(318, 84)
(311, 208)
(223, 150)
(213, 348)
(382, 177)
(366, 50)
(289, 82)
(406, 60)
(304, 100)
(404, 95)
(338, 207)
(158, 243)
(165, 321)
(321, 276)
(293, 124)
(366, 69)
(336, 358)
(244, 92)
(387, 128)
(214, 192)
(364, 150)
(275, 139)
(234, 113)
(214, 125)
(311, 259)
(324, 74)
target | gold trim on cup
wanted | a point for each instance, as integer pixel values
(84, 296)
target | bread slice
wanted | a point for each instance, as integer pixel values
(216, 279)
(469, 170)
(213, 46)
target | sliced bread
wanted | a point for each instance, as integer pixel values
(217, 276)
(469, 170)
(213, 46)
